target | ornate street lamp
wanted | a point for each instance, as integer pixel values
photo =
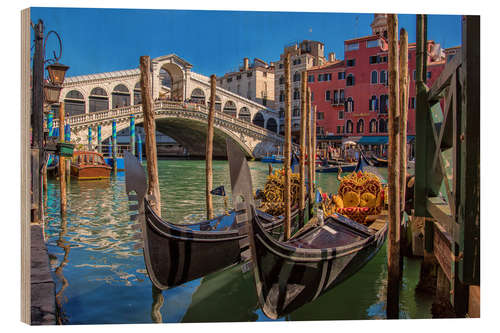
(57, 72)
(51, 93)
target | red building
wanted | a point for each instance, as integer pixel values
(353, 99)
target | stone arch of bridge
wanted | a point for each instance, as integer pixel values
(189, 132)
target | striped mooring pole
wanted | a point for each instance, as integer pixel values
(113, 135)
(99, 139)
(89, 137)
(139, 147)
(67, 133)
(132, 134)
(50, 123)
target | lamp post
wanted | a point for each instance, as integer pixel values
(42, 93)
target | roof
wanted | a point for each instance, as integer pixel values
(335, 64)
(106, 75)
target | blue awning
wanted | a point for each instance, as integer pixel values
(380, 140)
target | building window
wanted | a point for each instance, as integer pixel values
(341, 114)
(350, 80)
(229, 79)
(383, 59)
(327, 95)
(282, 79)
(280, 66)
(382, 126)
(373, 43)
(341, 76)
(296, 94)
(282, 96)
(341, 99)
(412, 102)
(352, 47)
(238, 77)
(373, 126)
(296, 77)
(296, 112)
(374, 59)
(348, 126)
(360, 127)
(351, 62)
(414, 75)
(374, 77)
(282, 113)
(321, 115)
(335, 97)
(310, 78)
(384, 103)
(249, 74)
(373, 105)
(383, 77)
(349, 105)
(429, 75)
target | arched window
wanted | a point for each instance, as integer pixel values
(349, 105)
(350, 80)
(218, 103)
(348, 126)
(121, 96)
(258, 119)
(272, 125)
(374, 77)
(98, 100)
(137, 94)
(282, 79)
(373, 103)
(282, 96)
(74, 103)
(373, 126)
(360, 127)
(244, 114)
(382, 126)
(296, 112)
(165, 78)
(384, 103)
(296, 77)
(230, 109)
(198, 96)
(383, 77)
(296, 94)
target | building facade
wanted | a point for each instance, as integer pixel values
(253, 81)
(303, 56)
(353, 100)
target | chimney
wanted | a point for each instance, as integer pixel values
(245, 64)
(331, 57)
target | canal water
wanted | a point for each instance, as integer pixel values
(97, 261)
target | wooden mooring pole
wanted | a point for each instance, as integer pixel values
(288, 150)
(62, 163)
(393, 277)
(209, 149)
(310, 153)
(403, 120)
(314, 142)
(302, 158)
(150, 130)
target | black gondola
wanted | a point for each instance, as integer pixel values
(175, 254)
(290, 274)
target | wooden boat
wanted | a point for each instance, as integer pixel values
(379, 162)
(290, 274)
(175, 253)
(89, 165)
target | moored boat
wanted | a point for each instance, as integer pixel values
(290, 274)
(178, 253)
(89, 165)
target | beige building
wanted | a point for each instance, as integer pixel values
(252, 81)
(303, 56)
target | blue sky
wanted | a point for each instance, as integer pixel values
(215, 42)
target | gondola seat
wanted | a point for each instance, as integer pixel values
(360, 195)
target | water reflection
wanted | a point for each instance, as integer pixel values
(97, 259)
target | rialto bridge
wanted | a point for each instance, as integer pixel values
(180, 104)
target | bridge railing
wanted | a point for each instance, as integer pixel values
(111, 114)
